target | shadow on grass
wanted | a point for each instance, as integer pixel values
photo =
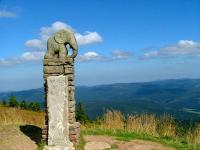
(33, 132)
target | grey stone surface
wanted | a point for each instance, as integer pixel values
(71, 104)
(57, 104)
(53, 69)
(56, 62)
(56, 45)
(96, 146)
(57, 148)
(69, 70)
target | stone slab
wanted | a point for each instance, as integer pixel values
(97, 146)
(58, 148)
(57, 103)
(53, 69)
(58, 61)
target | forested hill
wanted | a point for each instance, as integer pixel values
(178, 97)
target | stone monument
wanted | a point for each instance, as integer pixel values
(61, 130)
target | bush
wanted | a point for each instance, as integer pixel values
(23, 105)
(13, 102)
(81, 115)
(35, 106)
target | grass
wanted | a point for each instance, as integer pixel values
(81, 144)
(127, 136)
(163, 129)
(28, 122)
(9, 115)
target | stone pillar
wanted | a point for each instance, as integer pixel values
(60, 125)
(56, 67)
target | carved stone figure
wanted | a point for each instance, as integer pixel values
(60, 128)
(56, 45)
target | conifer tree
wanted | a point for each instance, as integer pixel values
(23, 105)
(81, 115)
(34, 106)
(4, 103)
(13, 101)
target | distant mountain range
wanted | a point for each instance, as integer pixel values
(180, 98)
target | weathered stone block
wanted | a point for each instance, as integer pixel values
(74, 130)
(71, 83)
(70, 77)
(57, 102)
(58, 61)
(71, 104)
(72, 109)
(71, 96)
(50, 74)
(69, 70)
(71, 88)
(53, 69)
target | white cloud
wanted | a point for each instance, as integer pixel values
(45, 32)
(120, 54)
(7, 14)
(89, 56)
(88, 38)
(181, 48)
(94, 56)
(35, 44)
(150, 54)
(37, 56)
(32, 56)
(25, 57)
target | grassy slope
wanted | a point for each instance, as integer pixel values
(29, 123)
(18, 117)
(127, 136)
(162, 130)
(21, 126)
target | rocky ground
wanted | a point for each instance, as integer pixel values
(20, 138)
(106, 142)
(11, 138)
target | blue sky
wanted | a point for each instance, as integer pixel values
(119, 40)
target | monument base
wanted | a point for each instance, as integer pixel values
(69, 147)
(74, 132)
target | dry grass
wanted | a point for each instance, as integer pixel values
(142, 123)
(112, 120)
(16, 116)
(163, 126)
(194, 136)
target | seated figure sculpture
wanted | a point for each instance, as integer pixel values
(56, 45)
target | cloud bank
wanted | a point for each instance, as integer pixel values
(25, 57)
(45, 32)
(94, 56)
(181, 48)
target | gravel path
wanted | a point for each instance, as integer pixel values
(122, 145)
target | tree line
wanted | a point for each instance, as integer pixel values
(81, 114)
(13, 102)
